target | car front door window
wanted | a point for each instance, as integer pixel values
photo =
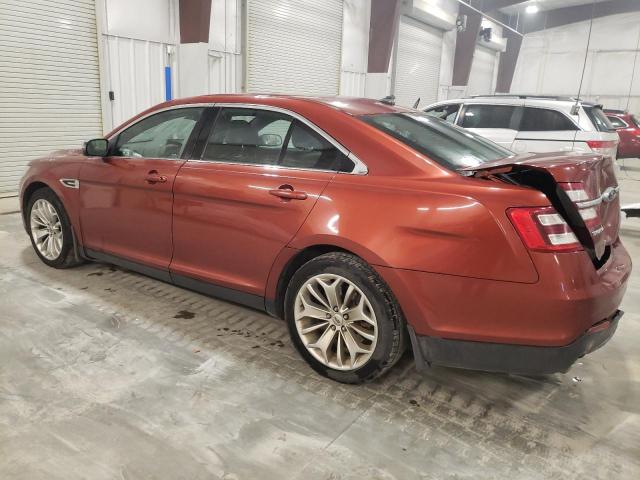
(163, 135)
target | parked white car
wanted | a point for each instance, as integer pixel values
(524, 123)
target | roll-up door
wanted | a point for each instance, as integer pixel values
(417, 67)
(294, 47)
(49, 81)
(482, 71)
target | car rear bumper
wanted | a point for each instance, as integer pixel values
(506, 358)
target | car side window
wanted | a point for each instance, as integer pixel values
(447, 112)
(617, 122)
(308, 149)
(487, 116)
(163, 135)
(248, 136)
(544, 120)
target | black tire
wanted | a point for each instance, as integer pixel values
(390, 323)
(68, 256)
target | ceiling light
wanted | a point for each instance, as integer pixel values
(531, 9)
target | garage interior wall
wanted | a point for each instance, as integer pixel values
(483, 71)
(417, 63)
(550, 62)
(135, 55)
(225, 58)
(355, 47)
(50, 82)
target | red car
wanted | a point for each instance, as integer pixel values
(364, 225)
(628, 128)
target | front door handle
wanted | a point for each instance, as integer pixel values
(286, 192)
(153, 177)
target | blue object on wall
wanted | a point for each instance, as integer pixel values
(168, 94)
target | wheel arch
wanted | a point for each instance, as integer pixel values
(275, 306)
(28, 191)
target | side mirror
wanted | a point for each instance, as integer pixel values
(271, 140)
(98, 147)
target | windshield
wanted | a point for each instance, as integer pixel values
(449, 145)
(598, 118)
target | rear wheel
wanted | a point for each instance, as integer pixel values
(343, 319)
(50, 230)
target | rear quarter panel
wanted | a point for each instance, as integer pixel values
(451, 225)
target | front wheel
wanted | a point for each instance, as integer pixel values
(343, 319)
(50, 230)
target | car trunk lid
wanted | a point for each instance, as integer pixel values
(581, 187)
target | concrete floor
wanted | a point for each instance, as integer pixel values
(105, 374)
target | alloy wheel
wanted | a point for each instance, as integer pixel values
(335, 322)
(46, 229)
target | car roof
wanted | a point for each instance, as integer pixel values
(529, 100)
(349, 105)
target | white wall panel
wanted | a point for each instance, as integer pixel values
(294, 47)
(49, 82)
(135, 73)
(483, 71)
(353, 84)
(225, 72)
(355, 47)
(152, 20)
(551, 61)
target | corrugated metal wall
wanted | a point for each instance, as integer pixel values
(49, 81)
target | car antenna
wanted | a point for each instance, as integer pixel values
(415, 105)
(389, 100)
(576, 107)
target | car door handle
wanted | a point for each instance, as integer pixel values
(288, 193)
(153, 177)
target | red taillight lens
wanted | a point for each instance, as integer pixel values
(593, 144)
(543, 229)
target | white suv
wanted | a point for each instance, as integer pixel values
(524, 123)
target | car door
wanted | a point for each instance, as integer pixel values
(498, 123)
(126, 198)
(257, 176)
(544, 130)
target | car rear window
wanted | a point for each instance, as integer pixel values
(544, 120)
(635, 120)
(447, 144)
(598, 118)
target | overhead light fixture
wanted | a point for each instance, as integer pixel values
(532, 8)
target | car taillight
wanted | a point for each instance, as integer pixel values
(603, 147)
(544, 229)
(601, 143)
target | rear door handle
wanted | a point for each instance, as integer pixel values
(287, 192)
(153, 177)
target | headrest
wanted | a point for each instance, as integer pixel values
(241, 133)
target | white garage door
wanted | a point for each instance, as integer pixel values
(482, 71)
(49, 81)
(294, 46)
(417, 69)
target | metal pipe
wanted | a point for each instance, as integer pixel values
(490, 18)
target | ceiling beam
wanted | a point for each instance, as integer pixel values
(465, 46)
(508, 60)
(385, 16)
